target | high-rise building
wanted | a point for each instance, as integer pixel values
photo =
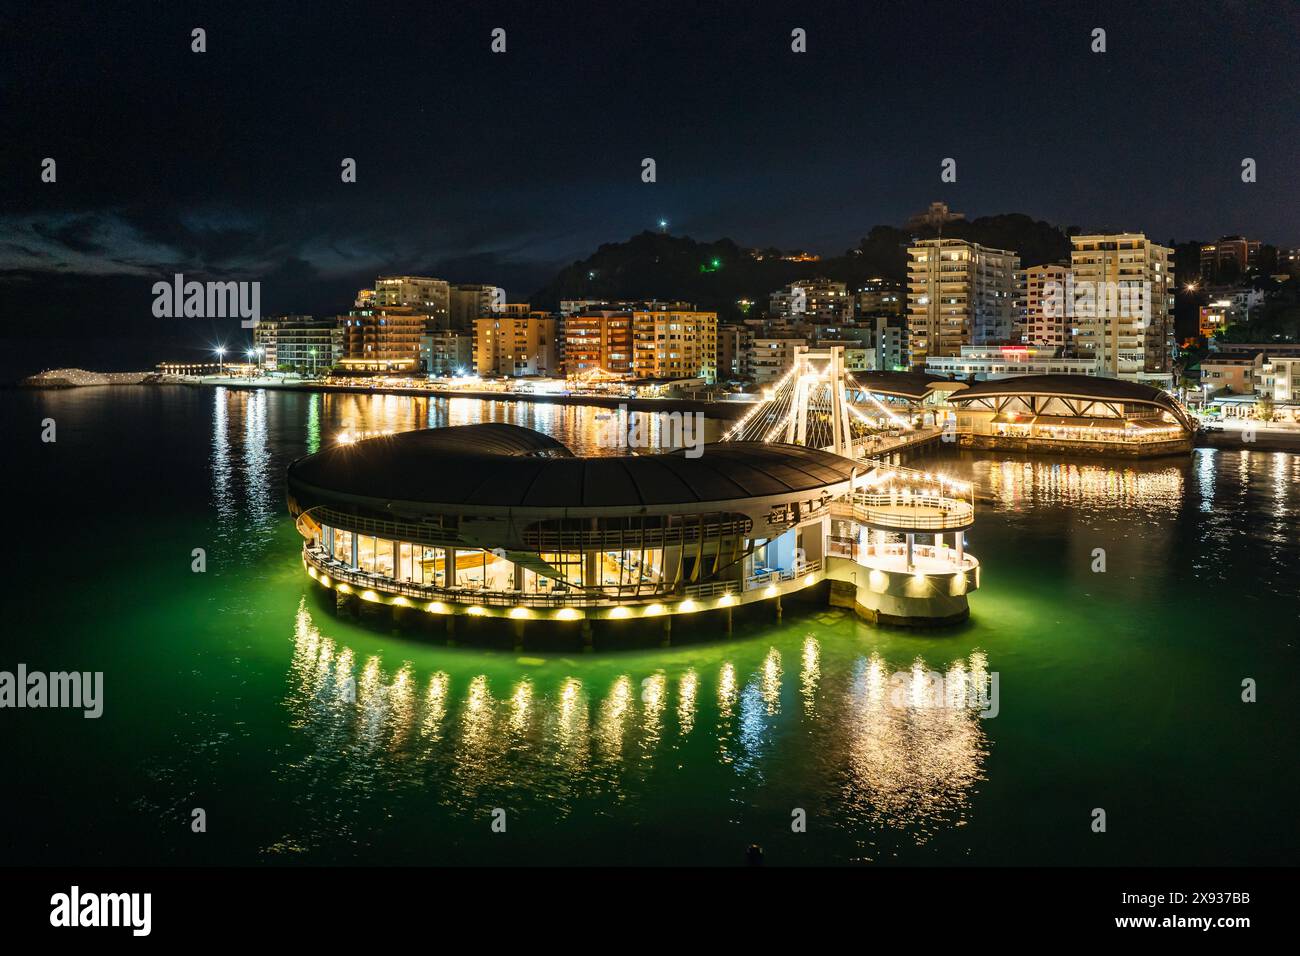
(958, 293)
(382, 339)
(307, 344)
(673, 343)
(298, 343)
(1043, 296)
(812, 300)
(428, 296)
(1121, 305)
(598, 339)
(465, 303)
(1233, 253)
(515, 345)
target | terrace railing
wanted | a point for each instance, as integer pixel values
(576, 597)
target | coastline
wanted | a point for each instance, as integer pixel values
(1268, 440)
(711, 408)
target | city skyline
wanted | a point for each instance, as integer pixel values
(503, 167)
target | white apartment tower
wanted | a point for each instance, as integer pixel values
(958, 293)
(1121, 304)
(1044, 296)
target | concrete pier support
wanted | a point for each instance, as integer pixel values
(727, 616)
(668, 631)
(451, 630)
(518, 628)
(587, 643)
(778, 609)
(900, 597)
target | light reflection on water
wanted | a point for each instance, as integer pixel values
(588, 734)
(1013, 483)
(232, 707)
(592, 738)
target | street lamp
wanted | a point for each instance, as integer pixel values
(221, 359)
(313, 363)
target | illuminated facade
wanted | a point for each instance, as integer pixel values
(958, 293)
(674, 344)
(1044, 322)
(598, 339)
(1122, 305)
(421, 293)
(495, 520)
(1075, 414)
(812, 300)
(1001, 361)
(515, 344)
(382, 339)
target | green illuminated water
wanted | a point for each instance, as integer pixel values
(1118, 690)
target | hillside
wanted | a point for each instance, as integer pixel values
(716, 275)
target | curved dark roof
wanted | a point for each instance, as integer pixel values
(913, 385)
(1066, 386)
(450, 466)
(485, 438)
(1088, 387)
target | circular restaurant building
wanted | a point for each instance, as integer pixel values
(498, 520)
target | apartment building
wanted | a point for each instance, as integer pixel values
(1234, 373)
(1230, 257)
(1122, 305)
(598, 339)
(382, 339)
(674, 343)
(307, 344)
(1278, 377)
(879, 296)
(446, 353)
(958, 293)
(465, 303)
(266, 340)
(812, 300)
(1042, 295)
(734, 342)
(514, 345)
(769, 359)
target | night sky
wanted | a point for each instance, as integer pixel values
(480, 167)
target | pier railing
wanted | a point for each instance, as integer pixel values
(906, 512)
